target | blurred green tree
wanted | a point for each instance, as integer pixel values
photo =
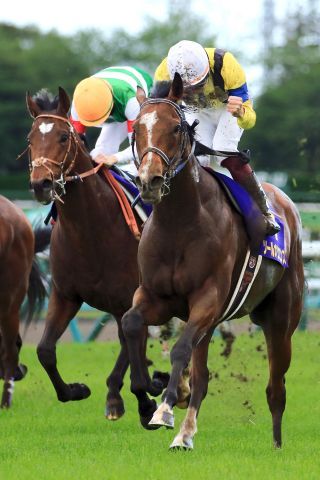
(31, 60)
(286, 136)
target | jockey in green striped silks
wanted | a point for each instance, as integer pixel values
(107, 100)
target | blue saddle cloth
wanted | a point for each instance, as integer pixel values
(272, 247)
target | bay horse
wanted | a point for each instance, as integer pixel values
(19, 276)
(93, 252)
(190, 257)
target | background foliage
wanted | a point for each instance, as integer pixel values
(286, 136)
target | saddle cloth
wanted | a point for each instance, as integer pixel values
(272, 247)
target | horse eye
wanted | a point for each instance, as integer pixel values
(64, 137)
(177, 128)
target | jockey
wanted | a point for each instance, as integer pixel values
(108, 100)
(216, 93)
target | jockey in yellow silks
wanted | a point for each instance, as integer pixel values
(216, 94)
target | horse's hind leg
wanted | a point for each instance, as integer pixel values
(114, 403)
(60, 313)
(278, 319)
(10, 354)
(22, 369)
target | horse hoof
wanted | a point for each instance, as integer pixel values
(181, 443)
(76, 391)
(6, 400)
(162, 419)
(147, 425)
(6, 403)
(158, 383)
(79, 391)
(156, 388)
(162, 377)
(21, 372)
(114, 410)
(146, 416)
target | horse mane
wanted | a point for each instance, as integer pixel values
(161, 90)
(45, 100)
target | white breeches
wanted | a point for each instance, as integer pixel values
(217, 129)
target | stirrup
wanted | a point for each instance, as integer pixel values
(272, 226)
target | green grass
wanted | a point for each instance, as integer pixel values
(41, 438)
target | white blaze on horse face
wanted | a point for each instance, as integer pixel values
(46, 127)
(149, 120)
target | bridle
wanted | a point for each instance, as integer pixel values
(176, 163)
(47, 162)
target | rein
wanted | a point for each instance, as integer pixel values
(64, 173)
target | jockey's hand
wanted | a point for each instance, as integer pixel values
(235, 106)
(108, 160)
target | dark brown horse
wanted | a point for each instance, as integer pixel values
(93, 252)
(19, 275)
(190, 256)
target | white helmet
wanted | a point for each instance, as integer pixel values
(190, 60)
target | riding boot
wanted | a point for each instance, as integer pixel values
(245, 176)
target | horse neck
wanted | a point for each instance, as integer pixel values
(182, 202)
(87, 202)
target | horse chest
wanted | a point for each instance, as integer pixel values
(178, 277)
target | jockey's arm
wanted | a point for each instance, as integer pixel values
(239, 103)
(125, 156)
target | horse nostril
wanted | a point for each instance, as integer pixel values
(41, 185)
(156, 182)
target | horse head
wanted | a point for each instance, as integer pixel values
(53, 144)
(162, 138)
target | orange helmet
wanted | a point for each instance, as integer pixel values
(93, 101)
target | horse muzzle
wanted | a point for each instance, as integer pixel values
(151, 189)
(43, 190)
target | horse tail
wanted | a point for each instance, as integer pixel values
(37, 290)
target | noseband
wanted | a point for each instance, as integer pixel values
(176, 163)
(45, 161)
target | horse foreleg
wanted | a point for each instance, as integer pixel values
(200, 323)
(114, 402)
(145, 311)
(60, 313)
(199, 382)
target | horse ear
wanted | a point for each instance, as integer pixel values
(64, 102)
(140, 95)
(32, 106)
(176, 90)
